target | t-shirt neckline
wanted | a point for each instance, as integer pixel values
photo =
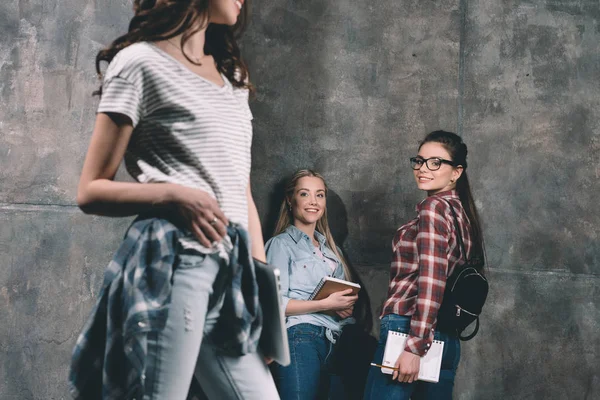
(226, 83)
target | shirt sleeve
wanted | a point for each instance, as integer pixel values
(279, 255)
(120, 96)
(432, 248)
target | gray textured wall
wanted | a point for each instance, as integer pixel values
(347, 88)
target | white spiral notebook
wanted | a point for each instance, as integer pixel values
(431, 362)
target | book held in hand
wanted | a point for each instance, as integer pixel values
(330, 285)
(431, 362)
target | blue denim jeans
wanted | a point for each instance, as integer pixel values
(309, 375)
(380, 386)
(183, 349)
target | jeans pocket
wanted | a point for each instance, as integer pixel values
(304, 333)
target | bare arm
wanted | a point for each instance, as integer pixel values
(254, 229)
(99, 194)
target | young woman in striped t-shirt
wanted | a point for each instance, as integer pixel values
(174, 105)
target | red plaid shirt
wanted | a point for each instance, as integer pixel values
(426, 250)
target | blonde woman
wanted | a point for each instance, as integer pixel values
(304, 250)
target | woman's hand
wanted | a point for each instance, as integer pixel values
(201, 214)
(339, 301)
(345, 313)
(408, 365)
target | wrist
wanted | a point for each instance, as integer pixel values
(171, 195)
(321, 305)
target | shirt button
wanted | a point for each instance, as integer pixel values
(142, 324)
(428, 345)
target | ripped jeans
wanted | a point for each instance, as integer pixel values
(183, 349)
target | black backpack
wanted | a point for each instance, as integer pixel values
(464, 296)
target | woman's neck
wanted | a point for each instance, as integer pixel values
(194, 45)
(309, 229)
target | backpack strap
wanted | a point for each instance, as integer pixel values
(472, 334)
(458, 234)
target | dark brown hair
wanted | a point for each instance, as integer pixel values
(457, 149)
(156, 20)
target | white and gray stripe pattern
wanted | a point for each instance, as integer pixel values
(187, 130)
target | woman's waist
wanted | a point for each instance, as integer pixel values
(317, 320)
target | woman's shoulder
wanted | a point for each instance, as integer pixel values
(434, 203)
(133, 60)
(280, 240)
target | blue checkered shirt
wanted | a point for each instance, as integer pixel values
(109, 357)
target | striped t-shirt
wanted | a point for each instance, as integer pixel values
(187, 129)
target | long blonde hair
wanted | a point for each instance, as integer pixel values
(286, 218)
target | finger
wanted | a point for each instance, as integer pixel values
(345, 292)
(216, 210)
(200, 235)
(209, 231)
(219, 226)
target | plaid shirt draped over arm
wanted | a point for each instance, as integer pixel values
(426, 252)
(108, 360)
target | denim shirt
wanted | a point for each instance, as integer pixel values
(301, 271)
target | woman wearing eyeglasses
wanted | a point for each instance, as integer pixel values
(426, 251)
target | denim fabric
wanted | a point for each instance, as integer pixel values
(309, 375)
(301, 271)
(185, 348)
(381, 386)
(109, 357)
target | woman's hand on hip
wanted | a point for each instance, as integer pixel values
(408, 365)
(339, 301)
(201, 214)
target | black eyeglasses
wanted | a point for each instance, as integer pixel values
(433, 163)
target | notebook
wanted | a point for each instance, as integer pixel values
(273, 339)
(329, 285)
(431, 362)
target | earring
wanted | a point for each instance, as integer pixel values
(290, 207)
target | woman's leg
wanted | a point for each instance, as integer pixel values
(380, 386)
(442, 390)
(173, 352)
(301, 380)
(232, 378)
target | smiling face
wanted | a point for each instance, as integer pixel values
(225, 12)
(436, 181)
(309, 201)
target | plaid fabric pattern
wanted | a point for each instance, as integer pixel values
(239, 326)
(426, 251)
(108, 360)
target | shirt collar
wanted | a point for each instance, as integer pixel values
(297, 235)
(451, 194)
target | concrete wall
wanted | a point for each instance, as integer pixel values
(347, 88)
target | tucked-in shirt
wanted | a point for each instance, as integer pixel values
(187, 129)
(301, 270)
(109, 357)
(426, 251)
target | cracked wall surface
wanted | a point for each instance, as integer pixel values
(347, 88)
